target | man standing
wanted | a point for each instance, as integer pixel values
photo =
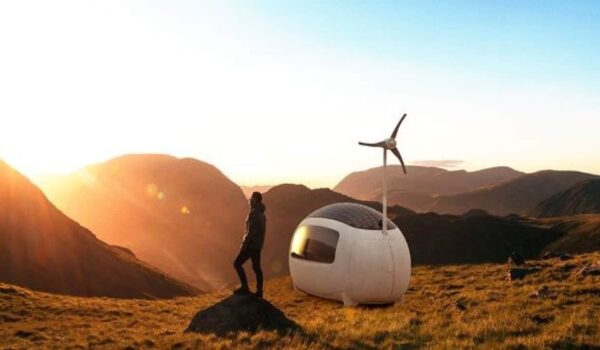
(252, 245)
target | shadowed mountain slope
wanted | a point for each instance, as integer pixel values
(432, 238)
(182, 215)
(583, 198)
(42, 249)
(416, 190)
(582, 233)
(515, 196)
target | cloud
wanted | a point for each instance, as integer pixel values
(440, 163)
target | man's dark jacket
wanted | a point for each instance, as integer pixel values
(256, 224)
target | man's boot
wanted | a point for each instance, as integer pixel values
(242, 290)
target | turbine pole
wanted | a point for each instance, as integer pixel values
(384, 220)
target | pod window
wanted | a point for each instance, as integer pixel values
(315, 243)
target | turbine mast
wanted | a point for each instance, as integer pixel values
(384, 219)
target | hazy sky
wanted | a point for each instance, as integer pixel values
(271, 92)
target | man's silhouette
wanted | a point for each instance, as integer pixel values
(252, 245)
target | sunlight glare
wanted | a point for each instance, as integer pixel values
(185, 210)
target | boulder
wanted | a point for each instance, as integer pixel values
(565, 256)
(515, 259)
(518, 273)
(240, 313)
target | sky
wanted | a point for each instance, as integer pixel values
(273, 92)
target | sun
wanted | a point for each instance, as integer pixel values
(38, 164)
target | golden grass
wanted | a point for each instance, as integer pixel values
(498, 314)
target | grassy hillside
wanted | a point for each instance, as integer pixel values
(446, 307)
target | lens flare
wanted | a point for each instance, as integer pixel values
(151, 190)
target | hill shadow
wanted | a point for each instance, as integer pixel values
(241, 313)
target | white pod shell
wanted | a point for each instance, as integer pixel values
(339, 252)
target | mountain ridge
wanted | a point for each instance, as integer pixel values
(421, 185)
(499, 190)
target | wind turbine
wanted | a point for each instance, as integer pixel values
(387, 144)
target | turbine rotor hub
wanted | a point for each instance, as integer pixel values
(390, 143)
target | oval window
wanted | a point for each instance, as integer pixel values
(314, 243)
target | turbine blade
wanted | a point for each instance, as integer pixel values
(378, 144)
(398, 126)
(397, 154)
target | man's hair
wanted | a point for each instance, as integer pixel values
(257, 196)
